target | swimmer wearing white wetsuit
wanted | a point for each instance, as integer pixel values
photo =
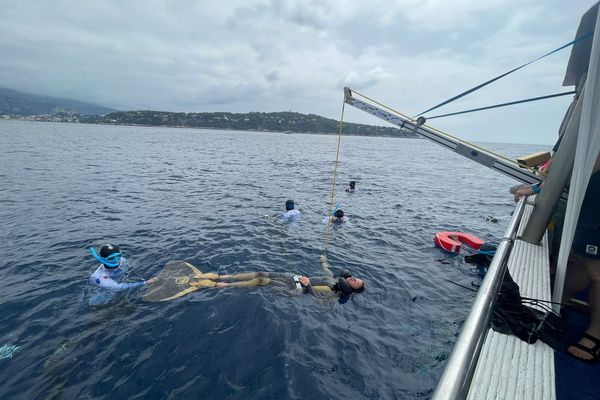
(112, 270)
(290, 214)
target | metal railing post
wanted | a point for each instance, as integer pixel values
(456, 379)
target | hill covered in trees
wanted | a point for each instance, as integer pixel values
(289, 122)
(18, 105)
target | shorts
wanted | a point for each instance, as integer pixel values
(586, 242)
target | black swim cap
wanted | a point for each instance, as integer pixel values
(289, 205)
(344, 287)
(339, 213)
(345, 274)
(108, 249)
(352, 184)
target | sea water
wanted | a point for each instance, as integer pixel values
(208, 197)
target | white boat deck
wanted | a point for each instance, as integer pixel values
(509, 368)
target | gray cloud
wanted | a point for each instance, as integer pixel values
(296, 55)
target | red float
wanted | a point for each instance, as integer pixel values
(451, 241)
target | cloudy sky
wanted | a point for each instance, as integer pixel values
(270, 55)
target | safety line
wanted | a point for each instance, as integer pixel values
(331, 197)
(504, 104)
(582, 37)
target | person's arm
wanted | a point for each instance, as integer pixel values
(325, 265)
(109, 283)
(528, 190)
(310, 289)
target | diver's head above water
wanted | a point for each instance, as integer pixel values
(110, 255)
(352, 184)
(289, 205)
(347, 284)
(338, 216)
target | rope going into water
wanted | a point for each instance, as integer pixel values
(332, 195)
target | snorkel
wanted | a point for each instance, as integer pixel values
(111, 261)
(337, 206)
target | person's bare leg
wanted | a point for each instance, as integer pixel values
(577, 278)
(593, 270)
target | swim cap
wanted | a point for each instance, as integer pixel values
(352, 184)
(289, 205)
(345, 274)
(339, 213)
(108, 249)
(344, 287)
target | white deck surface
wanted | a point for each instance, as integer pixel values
(508, 367)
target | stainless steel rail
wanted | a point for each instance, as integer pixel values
(457, 376)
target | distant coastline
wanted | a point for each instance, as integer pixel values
(31, 107)
(283, 122)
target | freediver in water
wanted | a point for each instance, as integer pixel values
(324, 286)
(290, 213)
(112, 270)
(338, 217)
(351, 188)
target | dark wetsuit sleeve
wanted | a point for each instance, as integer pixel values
(311, 291)
(323, 281)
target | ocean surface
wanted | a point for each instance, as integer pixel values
(210, 197)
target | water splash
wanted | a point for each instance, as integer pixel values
(8, 351)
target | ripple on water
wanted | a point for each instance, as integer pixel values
(211, 197)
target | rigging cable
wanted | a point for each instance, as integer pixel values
(505, 104)
(578, 39)
(331, 197)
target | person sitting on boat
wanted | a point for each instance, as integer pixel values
(351, 188)
(338, 217)
(290, 213)
(112, 270)
(324, 286)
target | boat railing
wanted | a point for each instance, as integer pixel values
(457, 376)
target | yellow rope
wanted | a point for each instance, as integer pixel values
(331, 197)
(482, 149)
